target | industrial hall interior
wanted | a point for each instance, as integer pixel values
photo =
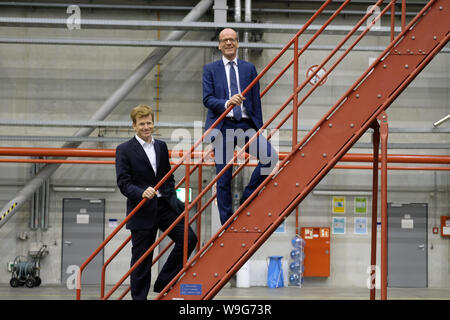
(225, 150)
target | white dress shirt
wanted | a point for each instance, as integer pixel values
(149, 148)
(227, 72)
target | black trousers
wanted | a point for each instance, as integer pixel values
(141, 240)
(239, 133)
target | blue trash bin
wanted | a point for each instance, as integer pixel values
(275, 272)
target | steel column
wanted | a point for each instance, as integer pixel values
(384, 139)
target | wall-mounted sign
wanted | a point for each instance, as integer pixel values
(338, 225)
(338, 204)
(361, 205)
(318, 77)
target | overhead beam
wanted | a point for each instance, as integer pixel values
(182, 25)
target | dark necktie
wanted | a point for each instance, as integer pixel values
(234, 90)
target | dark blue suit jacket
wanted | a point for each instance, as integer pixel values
(215, 92)
(135, 174)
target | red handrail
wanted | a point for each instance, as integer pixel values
(349, 157)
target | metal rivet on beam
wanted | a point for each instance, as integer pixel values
(406, 66)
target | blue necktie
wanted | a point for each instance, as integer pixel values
(234, 90)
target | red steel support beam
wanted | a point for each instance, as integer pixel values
(111, 153)
(384, 219)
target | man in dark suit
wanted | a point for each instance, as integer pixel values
(141, 163)
(223, 82)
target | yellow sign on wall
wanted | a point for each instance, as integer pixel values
(338, 204)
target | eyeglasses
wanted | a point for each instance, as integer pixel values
(232, 40)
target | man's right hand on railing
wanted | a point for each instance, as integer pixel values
(236, 100)
(149, 193)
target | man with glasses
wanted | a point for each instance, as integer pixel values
(223, 82)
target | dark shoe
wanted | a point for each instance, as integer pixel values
(158, 287)
(157, 290)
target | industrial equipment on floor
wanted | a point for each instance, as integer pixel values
(27, 272)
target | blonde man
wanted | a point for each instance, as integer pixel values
(141, 163)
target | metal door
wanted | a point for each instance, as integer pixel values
(83, 231)
(407, 245)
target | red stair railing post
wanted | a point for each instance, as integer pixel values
(199, 206)
(186, 213)
(403, 14)
(295, 101)
(393, 20)
(384, 220)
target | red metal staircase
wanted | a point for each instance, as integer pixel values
(316, 154)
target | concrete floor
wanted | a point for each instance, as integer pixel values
(54, 292)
